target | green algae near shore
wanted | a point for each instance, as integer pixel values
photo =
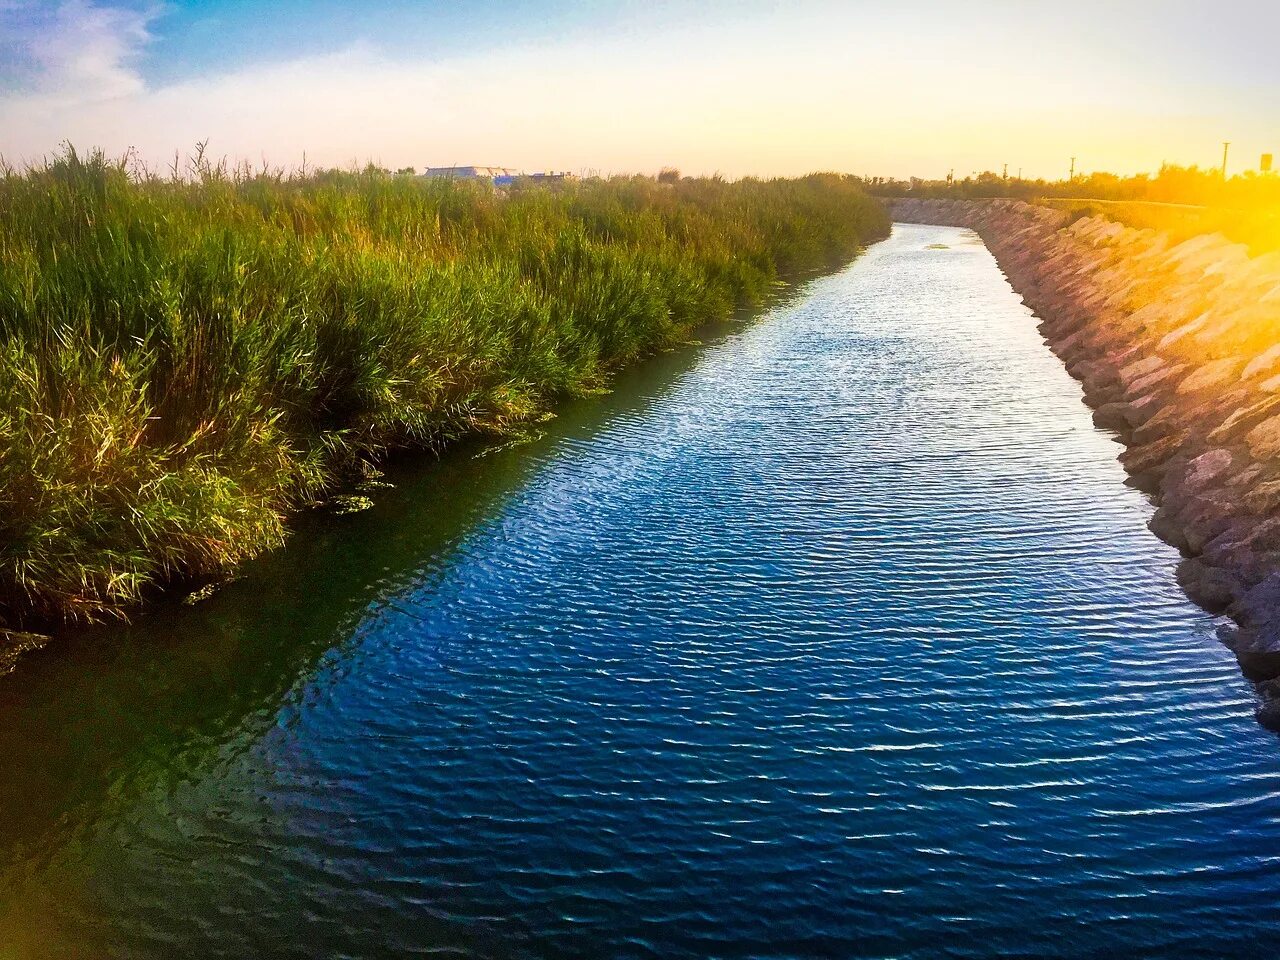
(185, 363)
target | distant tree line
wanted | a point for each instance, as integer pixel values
(1172, 184)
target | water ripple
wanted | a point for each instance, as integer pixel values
(851, 641)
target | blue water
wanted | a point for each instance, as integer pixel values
(840, 636)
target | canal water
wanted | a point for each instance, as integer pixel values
(840, 635)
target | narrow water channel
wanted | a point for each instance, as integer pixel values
(840, 635)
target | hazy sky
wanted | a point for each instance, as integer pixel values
(881, 87)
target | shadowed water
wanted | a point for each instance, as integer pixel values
(839, 636)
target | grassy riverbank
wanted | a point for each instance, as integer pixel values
(1257, 228)
(182, 364)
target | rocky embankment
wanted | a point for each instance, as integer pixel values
(1178, 349)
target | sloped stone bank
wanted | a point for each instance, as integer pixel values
(1178, 349)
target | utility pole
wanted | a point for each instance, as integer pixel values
(1019, 173)
(1073, 170)
(1226, 145)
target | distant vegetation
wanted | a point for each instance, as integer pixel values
(1258, 229)
(1172, 184)
(1183, 201)
(185, 360)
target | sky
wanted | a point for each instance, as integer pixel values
(905, 88)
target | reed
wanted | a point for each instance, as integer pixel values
(184, 362)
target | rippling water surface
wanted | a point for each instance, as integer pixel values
(838, 636)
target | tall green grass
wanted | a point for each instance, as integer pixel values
(183, 362)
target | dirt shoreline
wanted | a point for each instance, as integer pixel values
(1177, 346)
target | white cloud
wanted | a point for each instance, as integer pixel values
(82, 52)
(818, 90)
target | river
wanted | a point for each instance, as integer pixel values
(840, 634)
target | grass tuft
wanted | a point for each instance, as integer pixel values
(184, 362)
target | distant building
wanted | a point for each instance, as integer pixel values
(498, 176)
(548, 177)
